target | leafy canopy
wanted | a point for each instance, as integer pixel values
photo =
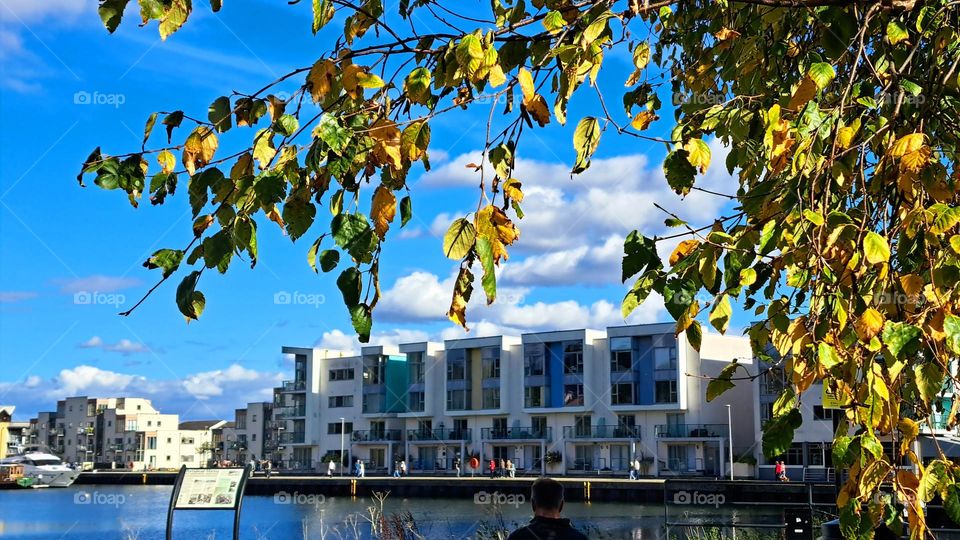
(841, 118)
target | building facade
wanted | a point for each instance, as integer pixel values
(563, 402)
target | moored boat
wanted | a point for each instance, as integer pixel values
(39, 469)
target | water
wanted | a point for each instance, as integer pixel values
(139, 512)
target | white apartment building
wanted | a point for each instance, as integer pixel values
(253, 434)
(563, 402)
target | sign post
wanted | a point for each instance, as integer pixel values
(209, 489)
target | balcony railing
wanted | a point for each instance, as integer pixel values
(680, 431)
(492, 434)
(292, 437)
(291, 412)
(439, 434)
(367, 435)
(294, 386)
(602, 431)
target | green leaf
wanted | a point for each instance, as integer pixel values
(896, 33)
(406, 210)
(287, 125)
(639, 254)
(822, 74)
(489, 281)
(952, 503)
(245, 232)
(722, 382)
(329, 258)
(778, 433)
(220, 114)
(354, 233)
(554, 22)
(189, 300)
(827, 355)
(323, 11)
(417, 85)
(312, 254)
(695, 335)
(362, 320)
(933, 479)
(111, 12)
(218, 250)
(720, 314)
(459, 239)
(929, 378)
(350, 286)
(148, 128)
(270, 188)
(166, 259)
(947, 218)
(897, 336)
(679, 172)
(875, 248)
(172, 121)
(842, 457)
(951, 326)
(637, 294)
(470, 54)
(586, 138)
(298, 216)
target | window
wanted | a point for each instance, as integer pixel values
(169, 440)
(415, 365)
(819, 413)
(539, 424)
(253, 437)
(621, 361)
(572, 395)
(457, 400)
(499, 428)
(533, 396)
(491, 368)
(373, 370)
(665, 359)
(666, 391)
(815, 453)
(456, 366)
(581, 425)
(794, 454)
(168, 457)
(621, 344)
(416, 402)
(491, 398)
(533, 360)
(340, 401)
(459, 427)
(621, 394)
(342, 374)
(573, 357)
(334, 428)
(149, 423)
(187, 459)
(253, 418)
(186, 440)
(766, 413)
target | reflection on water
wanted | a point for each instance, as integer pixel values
(139, 512)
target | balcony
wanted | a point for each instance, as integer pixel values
(376, 435)
(440, 434)
(293, 437)
(290, 412)
(691, 431)
(294, 386)
(601, 431)
(517, 433)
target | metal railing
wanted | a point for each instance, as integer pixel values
(679, 431)
(294, 386)
(602, 431)
(368, 435)
(439, 434)
(494, 434)
(292, 437)
(291, 412)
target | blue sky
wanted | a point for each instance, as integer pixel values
(70, 258)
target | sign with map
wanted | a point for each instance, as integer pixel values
(209, 489)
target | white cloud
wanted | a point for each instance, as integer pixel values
(96, 283)
(93, 342)
(124, 346)
(9, 297)
(336, 341)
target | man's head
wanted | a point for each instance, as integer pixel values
(546, 496)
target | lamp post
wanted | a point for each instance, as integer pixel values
(730, 437)
(341, 444)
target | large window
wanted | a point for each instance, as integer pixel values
(533, 359)
(581, 425)
(621, 361)
(491, 367)
(573, 357)
(572, 395)
(621, 394)
(415, 365)
(373, 370)
(819, 413)
(340, 401)
(333, 428)
(456, 366)
(533, 396)
(416, 402)
(665, 359)
(666, 391)
(457, 400)
(491, 398)
(343, 374)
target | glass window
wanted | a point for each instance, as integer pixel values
(456, 400)
(533, 396)
(491, 368)
(416, 402)
(666, 391)
(815, 453)
(344, 374)
(621, 394)
(533, 360)
(573, 357)
(340, 401)
(621, 361)
(491, 398)
(621, 344)
(665, 358)
(333, 428)
(456, 366)
(819, 413)
(572, 395)
(415, 364)
(581, 425)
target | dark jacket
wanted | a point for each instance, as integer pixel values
(541, 528)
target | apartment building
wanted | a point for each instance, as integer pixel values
(252, 435)
(561, 402)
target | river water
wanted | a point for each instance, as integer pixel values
(139, 512)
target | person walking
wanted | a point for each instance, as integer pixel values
(493, 468)
(403, 467)
(511, 471)
(362, 470)
(501, 470)
(546, 498)
(780, 470)
(456, 466)
(331, 466)
(267, 467)
(635, 469)
(396, 469)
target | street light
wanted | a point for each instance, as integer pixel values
(341, 445)
(730, 437)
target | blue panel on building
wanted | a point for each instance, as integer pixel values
(555, 372)
(643, 366)
(397, 379)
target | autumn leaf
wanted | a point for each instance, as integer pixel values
(459, 239)
(494, 225)
(383, 210)
(869, 325)
(199, 148)
(683, 249)
(642, 120)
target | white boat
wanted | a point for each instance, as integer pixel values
(46, 470)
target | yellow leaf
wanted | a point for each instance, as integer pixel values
(698, 154)
(462, 290)
(526, 83)
(167, 161)
(275, 106)
(199, 148)
(642, 120)
(804, 93)
(906, 144)
(869, 324)
(496, 77)
(274, 215)
(387, 136)
(383, 210)
(912, 284)
(537, 107)
(916, 160)
(511, 190)
(846, 134)
(725, 33)
(683, 249)
(494, 225)
(320, 79)
(641, 56)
